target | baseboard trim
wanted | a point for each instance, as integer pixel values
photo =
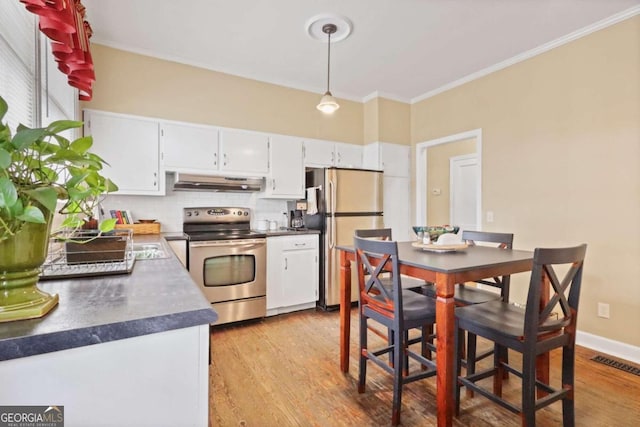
(610, 347)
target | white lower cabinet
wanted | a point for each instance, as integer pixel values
(292, 273)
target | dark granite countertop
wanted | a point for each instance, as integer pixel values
(157, 296)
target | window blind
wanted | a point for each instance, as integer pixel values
(18, 63)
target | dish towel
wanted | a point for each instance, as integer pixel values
(312, 201)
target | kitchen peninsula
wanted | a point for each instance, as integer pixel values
(126, 350)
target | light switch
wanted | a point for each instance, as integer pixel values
(436, 191)
(489, 216)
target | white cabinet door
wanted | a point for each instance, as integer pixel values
(300, 274)
(318, 153)
(274, 273)
(348, 155)
(395, 159)
(286, 176)
(131, 147)
(292, 272)
(244, 152)
(396, 207)
(189, 147)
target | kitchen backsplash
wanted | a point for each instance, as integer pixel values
(168, 209)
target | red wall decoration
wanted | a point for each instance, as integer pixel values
(63, 22)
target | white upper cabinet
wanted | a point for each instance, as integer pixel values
(286, 176)
(189, 148)
(243, 152)
(131, 147)
(348, 155)
(320, 153)
(393, 159)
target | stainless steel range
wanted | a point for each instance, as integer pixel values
(228, 261)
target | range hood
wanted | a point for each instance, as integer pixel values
(190, 182)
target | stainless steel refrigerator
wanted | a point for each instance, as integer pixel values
(347, 200)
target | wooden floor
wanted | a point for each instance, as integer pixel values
(283, 371)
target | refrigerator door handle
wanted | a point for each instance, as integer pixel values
(332, 198)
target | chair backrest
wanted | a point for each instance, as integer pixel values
(379, 233)
(373, 258)
(564, 294)
(504, 241)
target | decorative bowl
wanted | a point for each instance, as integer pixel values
(434, 230)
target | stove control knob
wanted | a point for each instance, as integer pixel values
(239, 213)
(188, 213)
(246, 213)
(196, 213)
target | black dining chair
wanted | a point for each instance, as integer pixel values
(466, 295)
(400, 310)
(535, 330)
(407, 282)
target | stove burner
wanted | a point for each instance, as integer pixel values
(218, 223)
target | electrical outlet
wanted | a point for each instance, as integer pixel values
(603, 310)
(489, 216)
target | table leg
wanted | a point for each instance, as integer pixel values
(345, 310)
(445, 343)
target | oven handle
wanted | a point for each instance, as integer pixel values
(248, 245)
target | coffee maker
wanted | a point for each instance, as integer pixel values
(295, 211)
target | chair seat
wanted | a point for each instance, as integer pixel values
(417, 308)
(499, 318)
(464, 295)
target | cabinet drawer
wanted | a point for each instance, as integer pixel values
(308, 241)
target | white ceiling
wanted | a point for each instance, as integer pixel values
(399, 49)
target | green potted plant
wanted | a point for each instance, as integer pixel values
(39, 167)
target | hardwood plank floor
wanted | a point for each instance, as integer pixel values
(283, 371)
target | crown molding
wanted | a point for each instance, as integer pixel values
(596, 26)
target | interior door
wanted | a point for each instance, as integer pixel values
(464, 183)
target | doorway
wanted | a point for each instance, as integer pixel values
(463, 196)
(425, 190)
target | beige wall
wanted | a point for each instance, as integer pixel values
(141, 85)
(438, 178)
(561, 161)
(387, 121)
(394, 121)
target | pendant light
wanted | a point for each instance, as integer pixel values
(328, 103)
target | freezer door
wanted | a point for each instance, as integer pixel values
(340, 231)
(353, 190)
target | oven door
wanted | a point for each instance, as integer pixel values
(229, 270)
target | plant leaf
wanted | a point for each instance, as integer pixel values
(32, 214)
(5, 159)
(107, 225)
(47, 197)
(81, 145)
(3, 108)
(25, 137)
(8, 193)
(62, 125)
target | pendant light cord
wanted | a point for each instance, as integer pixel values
(328, 61)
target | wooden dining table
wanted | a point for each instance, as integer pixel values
(445, 270)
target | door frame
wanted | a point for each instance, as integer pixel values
(457, 160)
(421, 171)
